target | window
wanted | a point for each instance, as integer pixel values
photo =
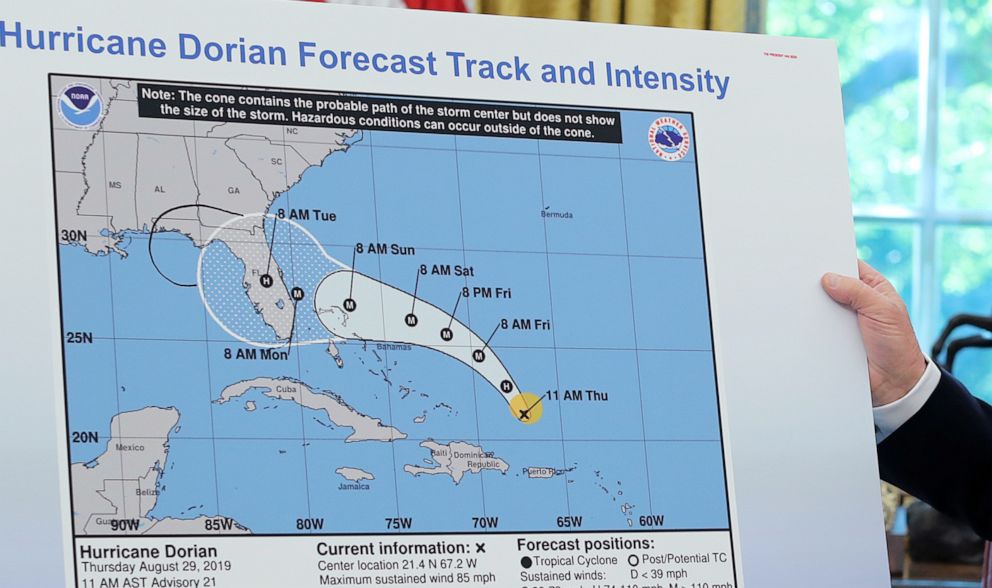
(917, 86)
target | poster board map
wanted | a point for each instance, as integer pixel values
(291, 312)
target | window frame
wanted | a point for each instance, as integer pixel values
(927, 217)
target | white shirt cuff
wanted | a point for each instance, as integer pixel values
(890, 417)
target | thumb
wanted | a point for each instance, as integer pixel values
(848, 291)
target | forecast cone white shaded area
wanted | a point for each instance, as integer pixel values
(382, 313)
(232, 263)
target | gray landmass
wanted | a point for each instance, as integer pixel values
(365, 428)
(627, 509)
(354, 474)
(310, 144)
(332, 350)
(540, 472)
(260, 154)
(545, 472)
(113, 494)
(89, 231)
(134, 169)
(128, 173)
(456, 459)
(246, 240)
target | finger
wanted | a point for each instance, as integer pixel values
(874, 278)
(867, 272)
(849, 291)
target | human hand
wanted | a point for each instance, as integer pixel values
(895, 362)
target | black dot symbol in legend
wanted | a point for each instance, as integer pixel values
(526, 562)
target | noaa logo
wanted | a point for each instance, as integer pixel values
(80, 106)
(669, 139)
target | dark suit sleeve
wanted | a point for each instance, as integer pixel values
(943, 455)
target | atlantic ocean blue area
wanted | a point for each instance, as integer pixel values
(598, 387)
(670, 303)
(501, 200)
(661, 202)
(591, 297)
(589, 190)
(678, 395)
(687, 483)
(342, 184)
(417, 196)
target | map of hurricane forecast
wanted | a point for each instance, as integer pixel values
(295, 312)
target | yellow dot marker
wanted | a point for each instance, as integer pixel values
(527, 408)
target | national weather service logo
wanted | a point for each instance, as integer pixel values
(669, 139)
(80, 106)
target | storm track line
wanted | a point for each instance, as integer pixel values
(151, 236)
